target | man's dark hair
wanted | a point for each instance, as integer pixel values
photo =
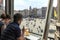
(17, 17)
(8, 16)
(5, 16)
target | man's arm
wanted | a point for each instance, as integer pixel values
(21, 37)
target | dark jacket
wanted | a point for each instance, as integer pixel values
(1, 25)
(12, 32)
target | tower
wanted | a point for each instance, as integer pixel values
(30, 9)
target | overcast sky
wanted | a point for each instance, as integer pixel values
(24, 4)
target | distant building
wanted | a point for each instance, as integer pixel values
(15, 11)
(39, 13)
(26, 12)
(44, 9)
(34, 11)
(21, 12)
(30, 10)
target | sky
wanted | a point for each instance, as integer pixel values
(24, 4)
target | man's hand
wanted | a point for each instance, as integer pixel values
(21, 38)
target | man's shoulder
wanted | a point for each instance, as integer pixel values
(1, 23)
(13, 25)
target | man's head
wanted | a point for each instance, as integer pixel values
(6, 18)
(3, 16)
(18, 18)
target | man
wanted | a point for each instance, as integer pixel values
(13, 32)
(4, 20)
(1, 23)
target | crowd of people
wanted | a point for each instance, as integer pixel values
(10, 30)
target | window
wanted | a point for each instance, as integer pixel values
(34, 15)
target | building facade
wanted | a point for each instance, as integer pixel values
(44, 9)
(39, 13)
